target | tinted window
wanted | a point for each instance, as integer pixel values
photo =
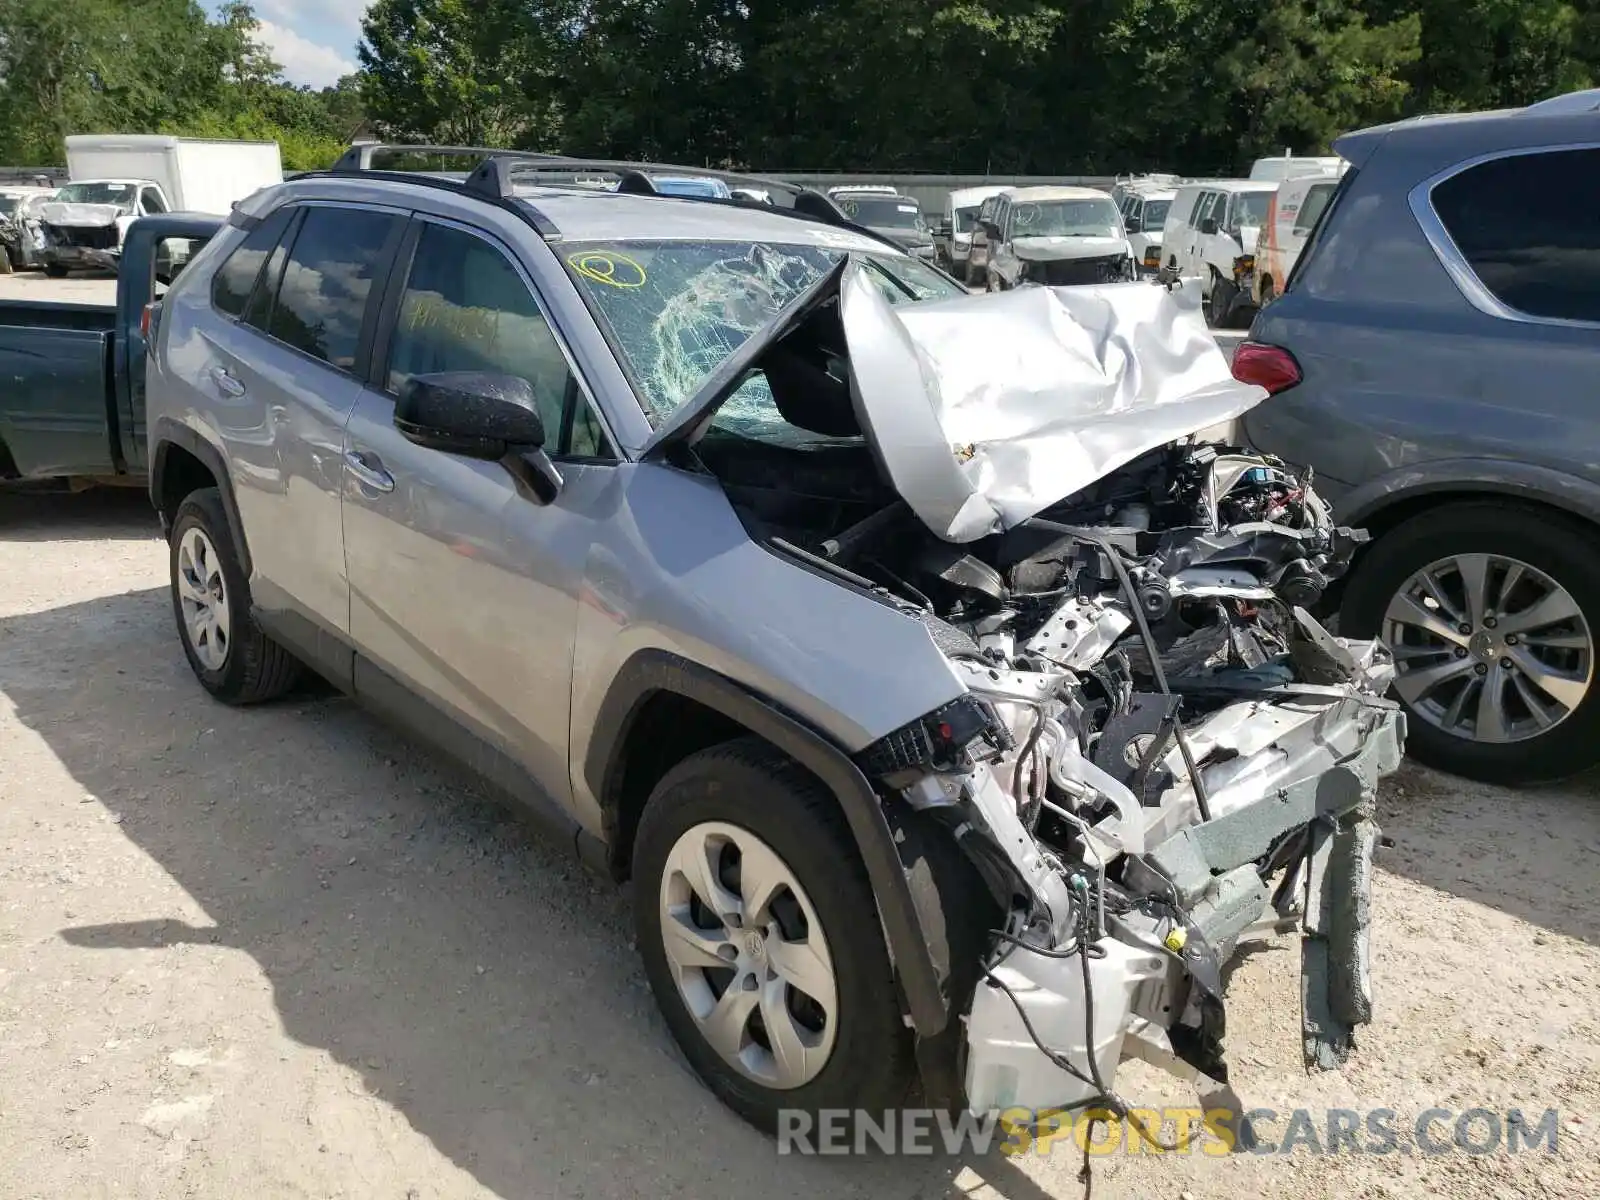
(466, 308)
(1529, 225)
(327, 280)
(1311, 208)
(231, 285)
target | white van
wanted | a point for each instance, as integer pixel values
(1211, 233)
(1057, 236)
(1291, 217)
(1287, 166)
(1145, 214)
(961, 217)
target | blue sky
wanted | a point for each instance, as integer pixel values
(315, 40)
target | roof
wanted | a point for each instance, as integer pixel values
(147, 141)
(1160, 194)
(975, 195)
(1572, 117)
(1231, 185)
(583, 216)
(1028, 194)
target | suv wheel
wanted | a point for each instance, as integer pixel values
(1491, 612)
(231, 657)
(761, 940)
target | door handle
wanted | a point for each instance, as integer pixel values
(226, 382)
(368, 474)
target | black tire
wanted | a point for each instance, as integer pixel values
(1564, 549)
(55, 270)
(750, 785)
(1222, 301)
(255, 668)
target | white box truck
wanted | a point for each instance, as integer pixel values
(117, 178)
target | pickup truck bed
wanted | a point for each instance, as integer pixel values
(72, 375)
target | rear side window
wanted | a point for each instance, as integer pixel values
(1529, 227)
(236, 277)
(1311, 208)
(327, 282)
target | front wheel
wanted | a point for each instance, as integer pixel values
(1490, 610)
(55, 270)
(760, 937)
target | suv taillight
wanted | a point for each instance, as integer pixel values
(1271, 367)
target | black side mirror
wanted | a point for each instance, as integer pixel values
(481, 415)
(1131, 224)
(1209, 225)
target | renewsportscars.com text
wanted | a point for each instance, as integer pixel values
(1213, 1132)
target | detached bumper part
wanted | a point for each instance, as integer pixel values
(1157, 962)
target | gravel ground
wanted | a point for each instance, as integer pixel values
(282, 953)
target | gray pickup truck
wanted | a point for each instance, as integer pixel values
(73, 404)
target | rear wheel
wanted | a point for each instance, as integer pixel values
(1491, 611)
(55, 270)
(231, 657)
(761, 940)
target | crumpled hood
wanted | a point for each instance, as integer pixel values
(985, 410)
(1065, 249)
(61, 212)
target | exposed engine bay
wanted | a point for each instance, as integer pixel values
(1159, 751)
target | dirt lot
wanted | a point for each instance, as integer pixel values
(281, 953)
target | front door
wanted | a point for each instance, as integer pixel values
(463, 589)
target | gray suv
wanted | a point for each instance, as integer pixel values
(940, 739)
(1436, 358)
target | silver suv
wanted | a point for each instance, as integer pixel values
(951, 722)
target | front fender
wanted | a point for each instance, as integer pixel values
(651, 671)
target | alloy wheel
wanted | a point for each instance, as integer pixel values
(203, 597)
(1489, 648)
(748, 955)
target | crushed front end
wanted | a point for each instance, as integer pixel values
(1160, 753)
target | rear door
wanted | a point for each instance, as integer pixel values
(281, 377)
(463, 589)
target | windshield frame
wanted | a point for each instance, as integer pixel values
(1144, 218)
(129, 190)
(1236, 204)
(905, 206)
(880, 262)
(1115, 226)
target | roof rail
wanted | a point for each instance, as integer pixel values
(494, 178)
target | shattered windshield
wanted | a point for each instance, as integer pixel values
(120, 194)
(675, 311)
(1066, 218)
(882, 212)
(1249, 208)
